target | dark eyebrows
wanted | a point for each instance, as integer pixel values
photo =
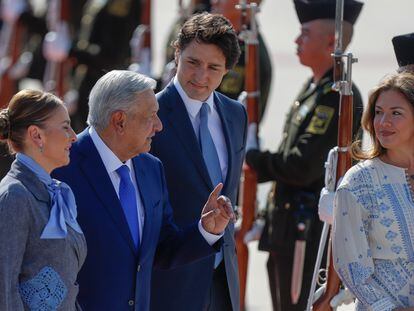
(214, 65)
(192, 58)
(391, 108)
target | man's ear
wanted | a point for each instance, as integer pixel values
(331, 43)
(35, 135)
(118, 121)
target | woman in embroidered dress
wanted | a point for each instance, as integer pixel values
(41, 245)
(373, 232)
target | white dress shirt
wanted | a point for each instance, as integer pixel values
(112, 163)
(215, 127)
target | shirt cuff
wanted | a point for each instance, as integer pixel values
(209, 237)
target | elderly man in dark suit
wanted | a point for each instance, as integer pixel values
(122, 199)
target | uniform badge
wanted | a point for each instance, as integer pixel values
(320, 120)
(233, 81)
(119, 8)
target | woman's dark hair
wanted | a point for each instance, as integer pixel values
(27, 107)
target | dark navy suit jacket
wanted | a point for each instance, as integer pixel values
(115, 276)
(188, 181)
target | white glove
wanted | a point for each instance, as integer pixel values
(12, 9)
(242, 99)
(319, 292)
(21, 68)
(255, 232)
(251, 141)
(168, 73)
(325, 206)
(343, 297)
(71, 101)
(137, 40)
(57, 43)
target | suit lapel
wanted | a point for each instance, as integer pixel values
(227, 125)
(180, 122)
(95, 172)
(29, 179)
(144, 188)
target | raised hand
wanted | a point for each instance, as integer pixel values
(217, 212)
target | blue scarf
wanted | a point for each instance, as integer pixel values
(63, 209)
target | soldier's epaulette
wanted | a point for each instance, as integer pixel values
(120, 8)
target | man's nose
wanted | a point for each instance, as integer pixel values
(201, 74)
(158, 125)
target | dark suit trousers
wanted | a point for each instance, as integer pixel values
(218, 298)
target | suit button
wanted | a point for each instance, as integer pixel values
(287, 205)
(138, 268)
(131, 302)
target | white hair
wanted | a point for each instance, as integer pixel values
(116, 90)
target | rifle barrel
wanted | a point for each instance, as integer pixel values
(249, 177)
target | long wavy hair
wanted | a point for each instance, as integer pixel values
(402, 82)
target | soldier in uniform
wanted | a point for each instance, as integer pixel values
(310, 131)
(31, 63)
(404, 51)
(233, 82)
(19, 13)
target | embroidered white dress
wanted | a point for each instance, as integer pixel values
(373, 236)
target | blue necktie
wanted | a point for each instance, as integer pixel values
(128, 199)
(211, 159)
(208, 149)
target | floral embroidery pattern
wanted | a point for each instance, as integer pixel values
(374, 241)
(44, 292)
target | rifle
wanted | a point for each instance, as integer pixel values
(11, 43)
(342, 84)
(248, 187)
(141, 42)
(56, 72)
